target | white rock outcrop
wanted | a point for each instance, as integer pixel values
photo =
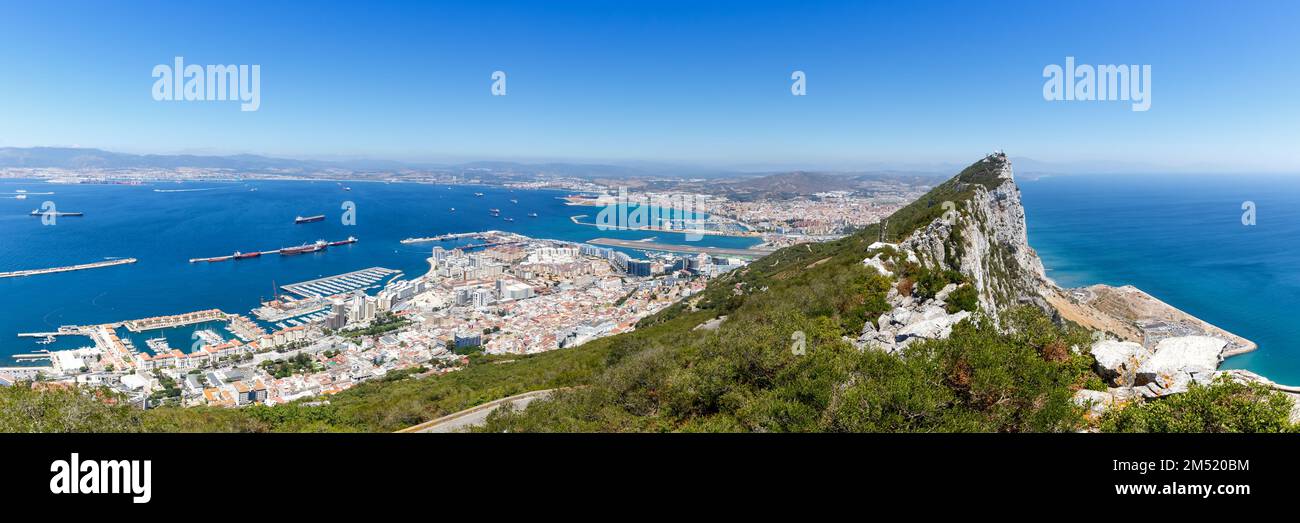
(1178, 362)
(1118, 361)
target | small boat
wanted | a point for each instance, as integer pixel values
(512, 200)
(453, 209)
(509, 219)
(532, 215)
(478, 194)
(494, 211)
(309, 219)
(20, 197)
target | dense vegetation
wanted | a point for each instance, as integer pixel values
(749, 373)
(1224, 406)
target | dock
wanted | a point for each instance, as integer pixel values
(81, 267)
(756, 252)
(341, 283)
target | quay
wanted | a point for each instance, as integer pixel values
(756, 252)
(84, 266)
(65, 330)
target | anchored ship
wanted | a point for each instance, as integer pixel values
(309, 219)
(318, 245)
(304, 249)
(212, 259)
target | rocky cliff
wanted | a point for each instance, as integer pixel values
(1145, 347)
(982, 235)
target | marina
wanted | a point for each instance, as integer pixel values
(340, 284)
(177, 320)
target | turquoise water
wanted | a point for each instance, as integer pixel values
(163, 230)
(1181, 239)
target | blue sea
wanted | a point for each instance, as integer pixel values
(1181, 239)
(163, 230)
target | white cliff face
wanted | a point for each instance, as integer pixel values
(985, 238)
(983, 235)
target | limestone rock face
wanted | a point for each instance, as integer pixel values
(930, 329)
(986, 240)
(1118, 361)
(1178, 362)
(907, 323)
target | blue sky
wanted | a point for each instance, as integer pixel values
(686, 82)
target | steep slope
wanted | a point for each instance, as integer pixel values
(983, 236)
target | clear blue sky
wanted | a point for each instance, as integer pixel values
(691, 82)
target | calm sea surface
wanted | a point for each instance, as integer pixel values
(165, 229)
(1181, 239)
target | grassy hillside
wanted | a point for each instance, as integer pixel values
(669, 375)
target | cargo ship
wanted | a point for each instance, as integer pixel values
(318, 245)
(304, 249)
(309, 219)
(212, 259)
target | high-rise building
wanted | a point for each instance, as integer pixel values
(639, 267)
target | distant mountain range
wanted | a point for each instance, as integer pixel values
(773, 179)
(89, 158)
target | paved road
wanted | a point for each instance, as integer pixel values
(477, 415)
